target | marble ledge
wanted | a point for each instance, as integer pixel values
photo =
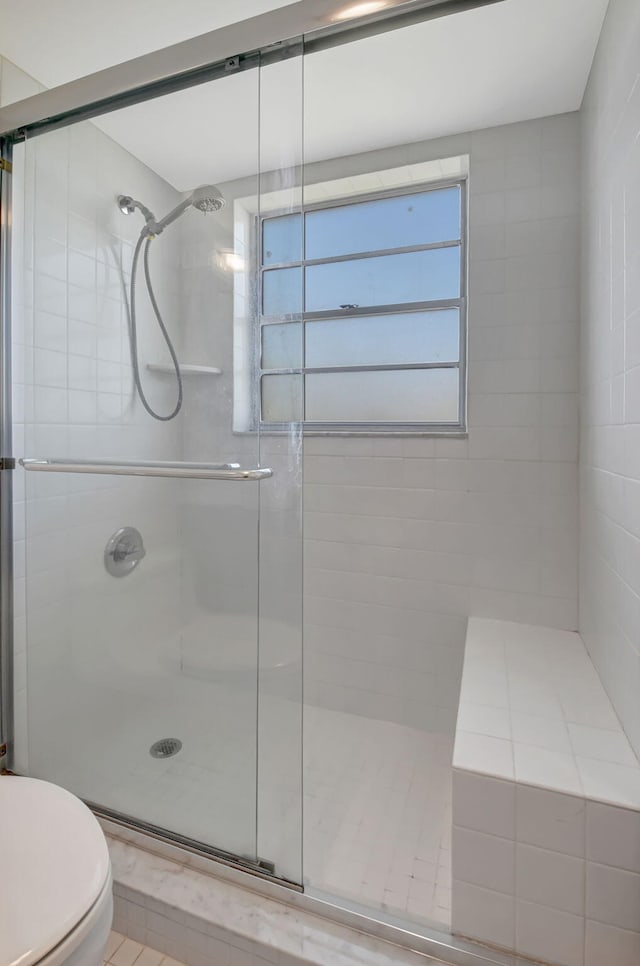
(213, 906)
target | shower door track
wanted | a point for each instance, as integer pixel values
(261, 868)
(309, 25)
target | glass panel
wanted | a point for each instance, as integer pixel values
(371, 696)
(169, 651)
(383, 339)
(282, 291)
(409, 395)
(281, 398)
(400, 222)
(282, 346)
(282, 239)
(280, 537)
(384, 280)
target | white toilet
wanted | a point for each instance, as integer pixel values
(56, 902)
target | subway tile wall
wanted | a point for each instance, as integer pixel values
(405, 538)
(546, 818)
(554, 877)
(610, 365)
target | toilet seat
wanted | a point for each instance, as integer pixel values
(87, 942)
(54, 870)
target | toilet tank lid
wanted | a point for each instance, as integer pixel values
(54, 864)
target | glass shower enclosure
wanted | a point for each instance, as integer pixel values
(161, 530)
(158, 224)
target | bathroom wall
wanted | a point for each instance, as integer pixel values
(610, 364)
(405, 538)
(74, 398)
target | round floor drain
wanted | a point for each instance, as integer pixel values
(165, 748)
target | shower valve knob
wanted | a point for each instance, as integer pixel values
(123, 552)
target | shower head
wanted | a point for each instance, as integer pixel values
(205, 198)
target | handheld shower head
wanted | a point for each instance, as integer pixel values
(205, 198)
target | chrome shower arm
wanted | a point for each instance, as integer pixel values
(159, 226)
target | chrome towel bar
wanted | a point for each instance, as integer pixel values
(184, 471)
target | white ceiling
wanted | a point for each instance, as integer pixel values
(60, 40)
(512, 61)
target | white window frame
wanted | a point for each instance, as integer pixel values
(312, 427)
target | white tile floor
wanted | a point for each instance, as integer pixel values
(121, 951)
(377, 795)
(377, 815)
(206, 792)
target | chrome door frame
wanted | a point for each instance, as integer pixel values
(236, 47)
(6, 462)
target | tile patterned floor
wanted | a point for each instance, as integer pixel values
(377, 818)
(377, 795)
(121, 951)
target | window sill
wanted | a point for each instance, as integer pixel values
(380, 433)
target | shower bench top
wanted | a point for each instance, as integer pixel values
(534, 711)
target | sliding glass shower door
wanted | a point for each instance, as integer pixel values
(162, 528)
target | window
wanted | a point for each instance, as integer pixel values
(362, 313)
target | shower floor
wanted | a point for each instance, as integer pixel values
(377, 816)
(377, 795)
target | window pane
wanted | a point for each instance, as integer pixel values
(282, 346)
(409, 396)
(385, 280)
(282, 239)
(282, 291)
(383, 339)
(281, 399)
(418, 219)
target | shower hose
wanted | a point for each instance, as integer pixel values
(146, 240)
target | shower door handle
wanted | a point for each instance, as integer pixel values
(182, 471)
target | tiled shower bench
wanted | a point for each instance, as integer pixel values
(546, 803)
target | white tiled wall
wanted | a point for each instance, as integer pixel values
(553, 876)
(610, 365)
(404, 538)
